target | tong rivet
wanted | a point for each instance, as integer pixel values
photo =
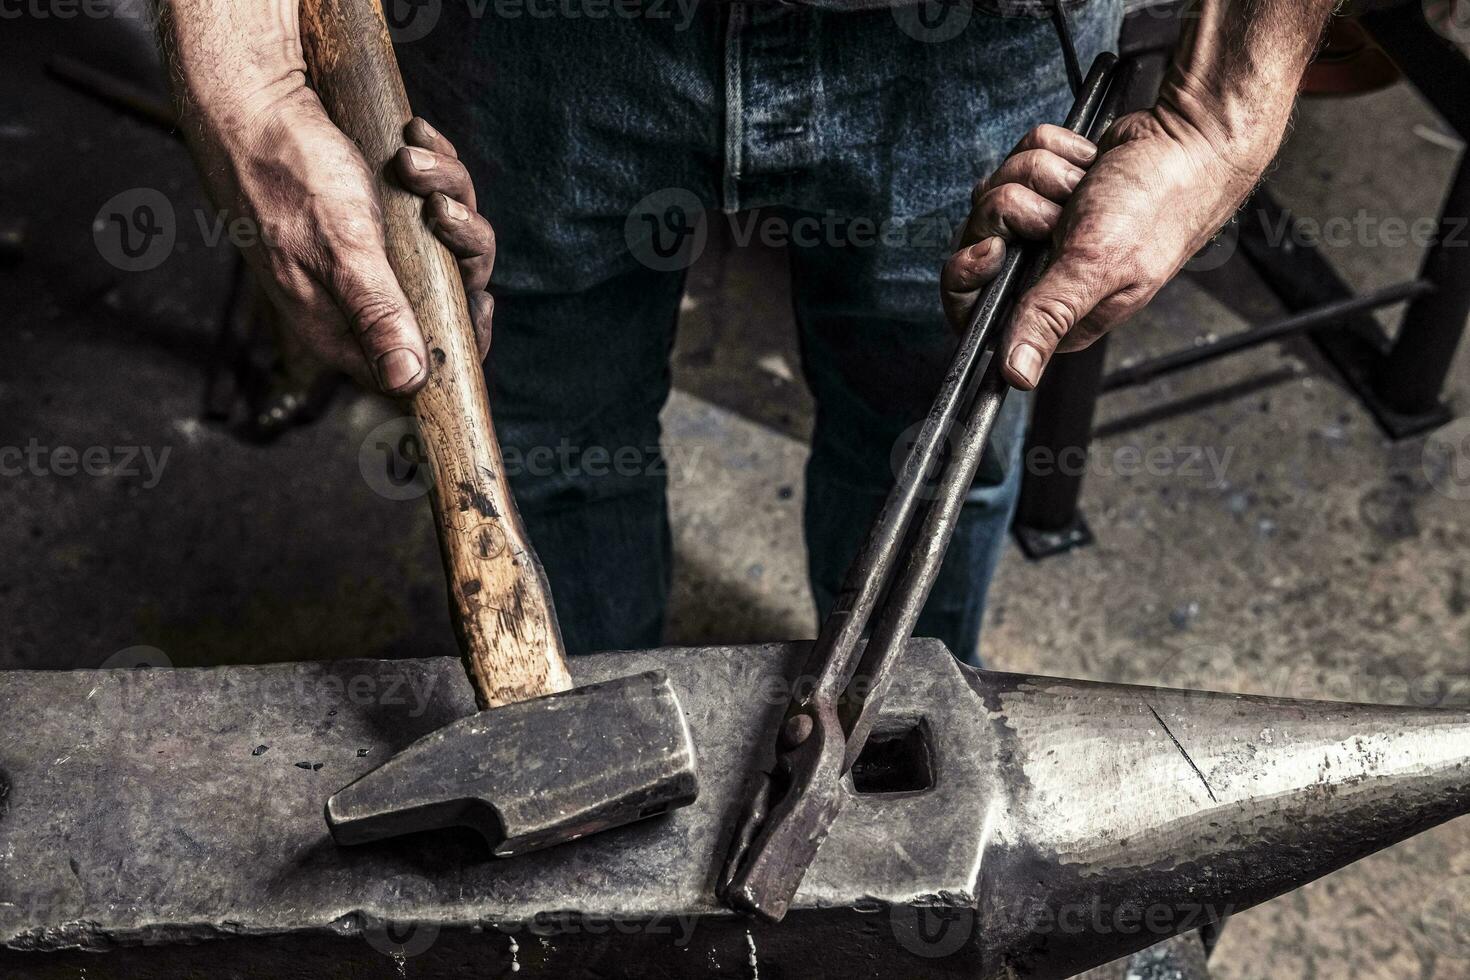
(798, 729)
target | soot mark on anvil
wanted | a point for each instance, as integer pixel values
(1164, 725)
(472, 497)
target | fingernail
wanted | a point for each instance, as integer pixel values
(397, 368)
(421, 159)
(455, 210)
(982, 250)
(1025, 361)
(1086, 148)
(1074, 177)
(428, 130)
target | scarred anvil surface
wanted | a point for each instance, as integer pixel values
(173, 818)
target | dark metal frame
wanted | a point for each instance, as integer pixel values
(1399, 379)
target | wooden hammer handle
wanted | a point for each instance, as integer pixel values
(498, 597)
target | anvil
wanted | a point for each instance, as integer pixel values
(167, 823)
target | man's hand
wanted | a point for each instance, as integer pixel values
(321, 255)
(1023, 199)
(1165, 180)
(1157, 193)
(268, 152)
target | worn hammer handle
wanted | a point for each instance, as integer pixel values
(498, 596)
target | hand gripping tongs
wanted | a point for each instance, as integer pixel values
(829, 719)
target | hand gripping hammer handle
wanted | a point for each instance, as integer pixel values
(498, 597)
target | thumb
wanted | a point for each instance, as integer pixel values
(386, 329)
(1046, 313)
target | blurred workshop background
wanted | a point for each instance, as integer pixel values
(1268, 509)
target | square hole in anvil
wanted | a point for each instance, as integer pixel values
(896, 759)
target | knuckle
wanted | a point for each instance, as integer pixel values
(373, 313)
(1035, 137)
(1008, 198)
(1054, 315)
(1032, 165)
(453, 174)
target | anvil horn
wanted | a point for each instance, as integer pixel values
(1125, 815)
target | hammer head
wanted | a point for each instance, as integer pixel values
(535, 773)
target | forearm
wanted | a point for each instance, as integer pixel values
(228, 58)
(1236, 72)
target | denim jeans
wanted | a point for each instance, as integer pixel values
(598, 143)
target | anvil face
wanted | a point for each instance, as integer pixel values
(1000, 825)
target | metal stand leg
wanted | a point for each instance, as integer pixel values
(1303, 279)
(1048, 521)
(1413, 376)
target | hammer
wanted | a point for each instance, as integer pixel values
(542, 762)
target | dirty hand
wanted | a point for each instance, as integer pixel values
(320, 249)
(1023, 199)
(1154, 196)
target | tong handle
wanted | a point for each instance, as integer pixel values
(792, 809)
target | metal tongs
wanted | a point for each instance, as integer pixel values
(828, 720)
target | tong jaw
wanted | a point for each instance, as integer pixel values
(790, 813)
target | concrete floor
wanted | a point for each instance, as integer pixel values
(1325, 563)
